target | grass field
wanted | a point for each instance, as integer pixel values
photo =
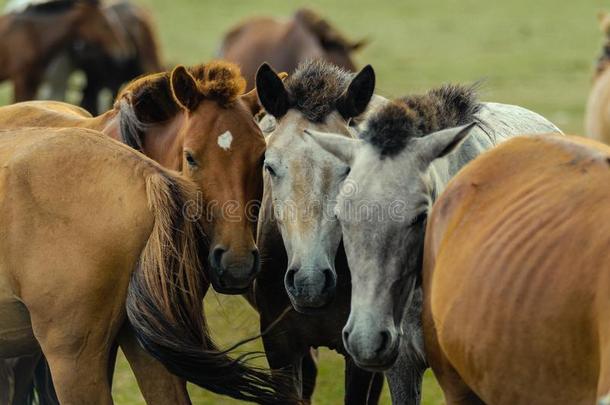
(538, 54)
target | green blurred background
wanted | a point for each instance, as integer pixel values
(536, 53)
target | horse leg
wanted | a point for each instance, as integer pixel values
(361, 386)
(23, 374)
(25, 87)
(158, 386)
(285, 362)
(310, 373)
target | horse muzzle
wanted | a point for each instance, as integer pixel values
(372, 346)
(232, 273)
(310, 289)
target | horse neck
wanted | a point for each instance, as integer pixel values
(107, 123)
(163, 142)
(51, 32)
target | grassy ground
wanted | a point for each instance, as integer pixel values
(538, 54)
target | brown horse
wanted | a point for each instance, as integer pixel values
(284, 44)
(194, 121)
(30, 39)
(517, 276)
(92, 232)
(597, 115)
(136, 28)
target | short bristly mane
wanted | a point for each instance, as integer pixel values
(219, 81)
(391, 127)
(315, 87)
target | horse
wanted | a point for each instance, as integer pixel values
(318, 95)
(516, 276)
(196, 121)
(136, 27)
(597, 114)
(32, 38)
(286, 43)
(404, 156)
(84, 246)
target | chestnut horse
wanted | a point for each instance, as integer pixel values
(597, 114)
(517, 276)
(286, 43)
(31, 38)
(92, 233)
(197, 122)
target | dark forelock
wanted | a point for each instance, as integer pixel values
(391, 127)
(315, 87)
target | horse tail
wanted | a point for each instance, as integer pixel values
(165, 301)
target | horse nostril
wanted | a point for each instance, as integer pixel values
(289, 280)
(329, 280)
(385, 340)
(217, 257)
(345, 337)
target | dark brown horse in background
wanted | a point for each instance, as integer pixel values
(30, 39)
(286, 43)
(137, 30)
(195, 121)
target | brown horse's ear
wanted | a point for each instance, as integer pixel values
(184, 88)
(354, 100)
(251, 101)
(356, 46)
(271, 91)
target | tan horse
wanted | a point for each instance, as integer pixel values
(597, 114)
(30, 39)
(195, 121)
(78, 213)
(286, 43)
(517, 276)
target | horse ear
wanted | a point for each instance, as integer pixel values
(356, 46)
(152, 102)
(184, 88)
(341, 146)
(354, 100)
(271, 91)
(440, 143)
(250, 99)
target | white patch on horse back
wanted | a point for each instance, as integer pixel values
(225, 139)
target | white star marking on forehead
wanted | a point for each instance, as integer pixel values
(225, 140)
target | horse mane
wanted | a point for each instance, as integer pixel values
(48, 7)
(148, 100)
(219, 80)
(391, 127)
(315, 86)
(329, 36)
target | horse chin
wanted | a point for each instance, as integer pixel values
(308, 309)
(379, 366)
(221, 288)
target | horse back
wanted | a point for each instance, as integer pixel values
(42, 114)
(517, 272)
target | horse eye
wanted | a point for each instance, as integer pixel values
(420, 219)
(270, 170)
(190, 159)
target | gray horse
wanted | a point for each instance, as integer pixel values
(406, 154)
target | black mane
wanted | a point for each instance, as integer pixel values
(390, 128)
(49, 7)
(315, 87)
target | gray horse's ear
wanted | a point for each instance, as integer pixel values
(439, 144)
(354, 100)
(341, 146)
(271, 91)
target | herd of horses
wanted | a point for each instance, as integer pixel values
(432, 230)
